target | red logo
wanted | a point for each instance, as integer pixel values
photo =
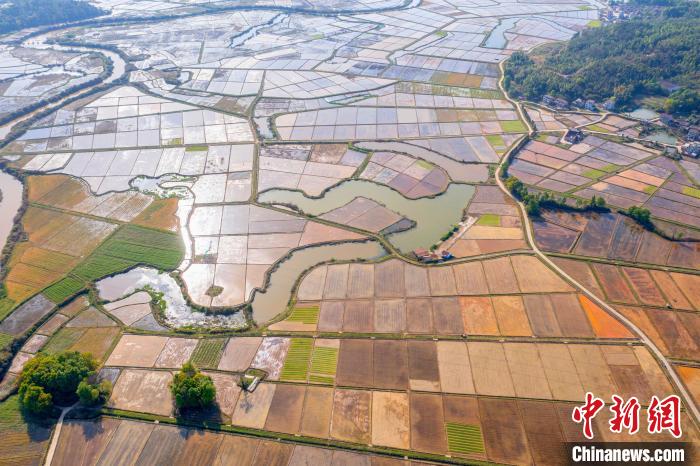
(665, 415)
(586, 413)
(625, 415)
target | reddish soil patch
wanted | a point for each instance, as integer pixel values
(613, 284)
(571, 318)
(419, 315)
(447, 316)
(511, 316)
(500, 276)
(479, 316)
(543, 318)
(541, 424)
(504, 435)
(285, 410)
(423, 366)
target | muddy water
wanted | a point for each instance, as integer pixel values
(177, 313)
(274, 300)
(11, 201)
(434, 217)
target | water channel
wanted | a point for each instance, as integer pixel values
(11, 189)
(433, 216)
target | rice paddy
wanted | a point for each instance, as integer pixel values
(208, 352)
(296, 365)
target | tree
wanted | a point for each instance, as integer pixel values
(92, 394)
(641, 215)
(192, 389)
(683, 101)
(35, 400)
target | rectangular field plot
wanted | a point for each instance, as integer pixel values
(208, 352)
(296, 365)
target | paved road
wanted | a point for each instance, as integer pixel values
(680, 388)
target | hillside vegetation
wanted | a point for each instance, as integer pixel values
(623, 61)
(20, 14)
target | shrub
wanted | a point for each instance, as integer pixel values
(192, 389)
(641, 216)
(49, 379)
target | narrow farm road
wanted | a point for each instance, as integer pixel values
(56, 435)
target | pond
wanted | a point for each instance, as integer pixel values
(643, 114)
(663, 137)
(433, 216)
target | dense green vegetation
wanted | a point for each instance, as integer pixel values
(208, 353)
(20, 14)
(130, 246)
(622, 61)
(53, 378)
(534, 203)
(92, 394)
(192, 389)
(641, 216)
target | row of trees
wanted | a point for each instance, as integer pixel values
(20, 14)
(632, 56)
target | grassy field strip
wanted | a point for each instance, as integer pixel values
(296, 366)
(208, 353)
(464, 438)
(306, 315)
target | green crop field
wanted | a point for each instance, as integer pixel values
(130, 246)
(296, 365)
(64, 289)
(208, 352)
(515, 126)
(324, 360)
(305, 315)
(490, 220)
(464, 438)
(5, 339)
(6, 306)
(593, 174)
(24, 441)
(694, 192)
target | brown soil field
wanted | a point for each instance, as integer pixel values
(74, 450)
(559, 368)
(361, 281)
(252, 408)
(236, 451)
(526, 371)
(427, 423)
(423, 366)
(318, 406)
(544, 436)
(143, 391)
(51, 325)
(542, 315)
(613, 283)
(336, 281)
(91, 317)
(470, 278)
(227, 392)
(39, 186)
(390, 420)
(160, 214)
(310, 456)
(417, 283)
(690, 284)
(442, 281)
(164, 445)
(351, 416)
(673, 293)
(641, 320)
(126, 443)
(490, 369)
(389, 316)
(286, 409)
(535, 277)
(571, 318)
(355, 363)
(239, 353)
(654, 375)
(273, 453)
(511, 316)
(593, 371)
(691, 379)
(389, 279)
(311, 287)
(331, 316)
(200, 447)
(447, 316)
(390, 365)
(505, 440)
(454, 367)
(631, 381)
(419, 315)
(500, 276)
(644, 286)
(554, 238)
(479, 316)
(678, 340)
(358, 316)
(74, 307)
(580, 271)
(137, 350)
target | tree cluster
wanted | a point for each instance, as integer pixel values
(192, 389)
(620, 61)
(534, 203)
(62, 378)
